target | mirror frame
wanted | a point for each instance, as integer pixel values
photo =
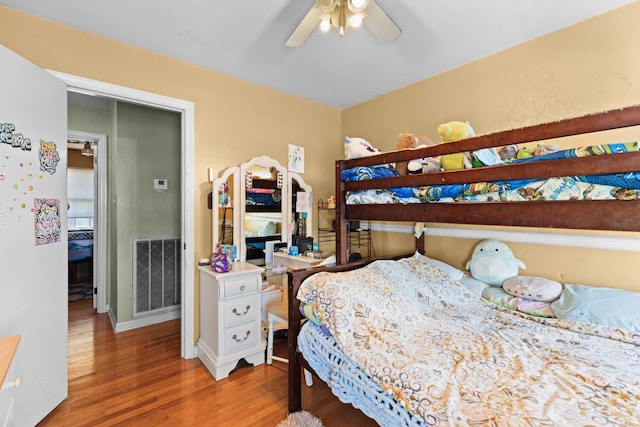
(290, 212)
(237, 176)
(263, 162)
(233, 172)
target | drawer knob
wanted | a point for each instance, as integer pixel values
(235, 311)
(243, 287)
(235, 337)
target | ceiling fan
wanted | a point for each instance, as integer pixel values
(344, 14)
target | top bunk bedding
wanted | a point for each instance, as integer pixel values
(545, 191)
(621, 186)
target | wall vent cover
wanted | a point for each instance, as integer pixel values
(156, 274)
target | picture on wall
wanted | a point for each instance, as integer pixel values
(296, 158)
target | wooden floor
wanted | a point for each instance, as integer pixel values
(138, 378)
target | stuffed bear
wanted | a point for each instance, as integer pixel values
(508, 152)
(536, 149)
(455, 131)
(451, 132)
(492, 262)
(354, 148)
(408, 140)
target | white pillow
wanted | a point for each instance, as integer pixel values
(615, 308)
(474, 285)
(533, 288)
(455, 273)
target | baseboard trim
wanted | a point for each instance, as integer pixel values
(144, 321)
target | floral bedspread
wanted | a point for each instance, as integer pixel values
(454, 359)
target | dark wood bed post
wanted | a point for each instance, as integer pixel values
(295, 317)
(342, 255)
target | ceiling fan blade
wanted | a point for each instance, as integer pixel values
(380, 23)
(305, 27)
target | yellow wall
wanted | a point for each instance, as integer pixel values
(234, 120)
(590, 67)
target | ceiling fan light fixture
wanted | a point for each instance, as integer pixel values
(326, 5)
(343, 15)
(357, 5)
(355, 20)
(325, 23)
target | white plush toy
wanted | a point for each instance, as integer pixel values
(354, 148)
(492, 262)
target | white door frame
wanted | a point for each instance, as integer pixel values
(100, 214)
(97, 88)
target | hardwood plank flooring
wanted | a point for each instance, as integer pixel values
(138, 378)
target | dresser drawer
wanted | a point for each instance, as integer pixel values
(241, 310)
(241, 337)
(238, 287)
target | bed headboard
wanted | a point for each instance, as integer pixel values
(618, 215)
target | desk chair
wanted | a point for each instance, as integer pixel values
(277, 323)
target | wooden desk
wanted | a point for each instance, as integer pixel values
(295, 262)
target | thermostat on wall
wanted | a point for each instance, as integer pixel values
(160, 184)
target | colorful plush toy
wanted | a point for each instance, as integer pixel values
(354, 148)
(535, 149)
(492, 262)
(406, 141)
(451, 132)
(455, 131)
(424, 165)
(508, 152)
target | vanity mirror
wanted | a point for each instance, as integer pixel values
(255, 203)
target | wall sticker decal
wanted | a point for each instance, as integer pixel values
(47, 225)
(16, 140)
(49, 157)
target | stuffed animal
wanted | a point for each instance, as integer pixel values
(451, 132)
(533, 288)
(354, 148)
(536, 149)
(508, 152)
(424, 165)
(408, 140)
(493, 262)
(455, 131)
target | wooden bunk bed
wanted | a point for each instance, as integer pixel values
(616, 215)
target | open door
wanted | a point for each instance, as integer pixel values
(33, 233)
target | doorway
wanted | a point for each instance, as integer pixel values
(186, 110)
(97, 159)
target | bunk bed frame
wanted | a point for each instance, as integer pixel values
(615, 215)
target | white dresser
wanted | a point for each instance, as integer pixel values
(230, 330)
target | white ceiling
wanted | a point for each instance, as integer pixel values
(245, 38)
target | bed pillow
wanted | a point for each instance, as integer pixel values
(455, 273)
(474, 285)
(533, 288)
(523, 305)
(615, 308)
